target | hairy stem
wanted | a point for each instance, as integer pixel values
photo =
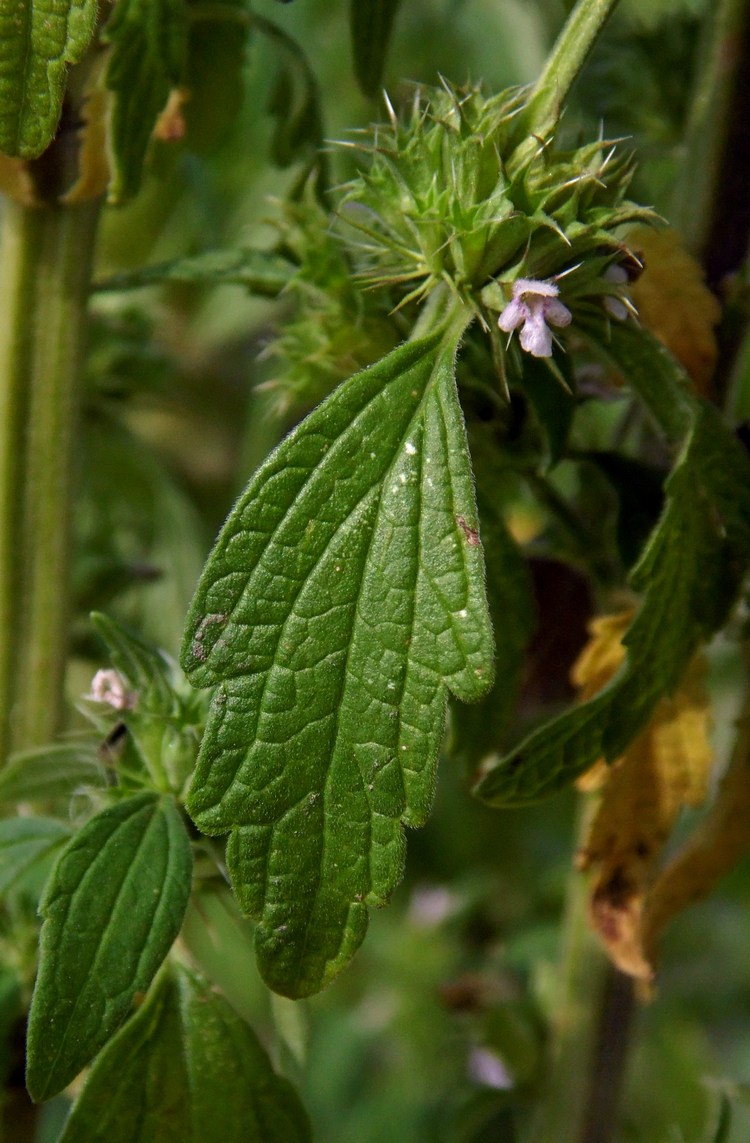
(44, 282)
(566, 60)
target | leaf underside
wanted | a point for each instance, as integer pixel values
(38, 39)
(689, 573)
(159, 1079)
(111, 910)
(344, 594)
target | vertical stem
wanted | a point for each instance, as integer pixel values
(569, 1110)
(566, 60)
(19, 240)
(709, 122)
(46, 268)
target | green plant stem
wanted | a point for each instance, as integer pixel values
(708, 122)
(569, 1110)
(44, 283)
(566, 60)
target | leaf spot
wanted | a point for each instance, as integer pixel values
(198, 649)
(472, 536)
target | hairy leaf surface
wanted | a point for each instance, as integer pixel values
(186, 1069)
(112, 909)
(344, 593)
(689, 575)
(38, 39)
(148, 39)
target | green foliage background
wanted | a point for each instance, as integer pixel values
(464, 960)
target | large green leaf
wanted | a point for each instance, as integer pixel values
(689, 574)
(149, 43)
(38, 39)
(186, 1069)
(344, 593)
(111, 910)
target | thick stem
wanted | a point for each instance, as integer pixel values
(566, 60)
(46, 270)
(582, 1061)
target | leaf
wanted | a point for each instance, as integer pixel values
(148, 39)
(344, 593)
(640, 492)
(24, 843)
(666, 768)
(654, 374)
(49, 772)
(215, 72)
(689, 573)
(552, 405)
(261, 271)
(186, 1069)
(477, 729)
(111, 911)
(294, 104)
(38, 40)
(371, 23)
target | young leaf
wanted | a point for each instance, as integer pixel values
(49, 772)
(371, 22)
(38, 39)
(343, 595)
(111, 911)
(23, 843)
(690, 574)
(186, 1069)
(148, 39)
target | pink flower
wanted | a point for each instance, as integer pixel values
(110, 687)
(534, 305)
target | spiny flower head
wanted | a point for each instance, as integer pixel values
(460, 191)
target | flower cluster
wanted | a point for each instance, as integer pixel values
(463, 192)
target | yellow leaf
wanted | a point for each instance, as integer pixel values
(602, 655)
(665, 768)
(93, 159)
(674, 302)
(722, 838)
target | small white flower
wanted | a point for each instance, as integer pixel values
(109, 687)
(535, 303)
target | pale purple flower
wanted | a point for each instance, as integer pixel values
(110, 687)
(535, 303)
